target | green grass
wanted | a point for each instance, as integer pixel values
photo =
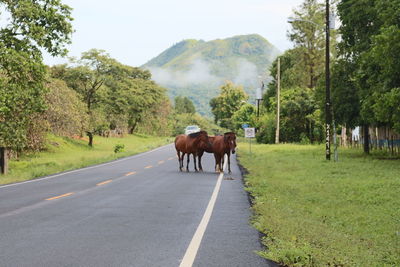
(64, 154)
(319, 213)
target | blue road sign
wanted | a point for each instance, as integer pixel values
(245, 125)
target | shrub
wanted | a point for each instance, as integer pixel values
(119, 148)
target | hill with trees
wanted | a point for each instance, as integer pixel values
(196, 68)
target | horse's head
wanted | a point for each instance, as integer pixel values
(230, 140)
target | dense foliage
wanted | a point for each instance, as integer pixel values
(118, 98)
(65, 113)
(367, 70)
(230, 100)
(33, 25)
(301, 70)
(184, 105)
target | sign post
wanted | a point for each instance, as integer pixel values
(249, 133)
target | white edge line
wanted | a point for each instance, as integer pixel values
(194, 245)
(84, 168)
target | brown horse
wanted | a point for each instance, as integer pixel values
(191, 144)
(222, 145)
(208, 150)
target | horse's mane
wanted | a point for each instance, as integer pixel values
(197, 134)
(229, 133)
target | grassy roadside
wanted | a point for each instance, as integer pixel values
(319, 213)
(66, 154)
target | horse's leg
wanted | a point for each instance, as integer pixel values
(220, 160)
(221, 163)
(216, 162)
(179, 159)
(183, 158)
(200, 167)
(229, 163)
(187, 164)
(194, 161)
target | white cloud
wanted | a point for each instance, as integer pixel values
(198, 73)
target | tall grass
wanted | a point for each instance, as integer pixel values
(319, 213)
(64, 154)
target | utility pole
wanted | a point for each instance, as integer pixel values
(259, 93)
(328, 110)
(278, 104)
(328, 106)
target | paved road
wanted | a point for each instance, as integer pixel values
(138, 211)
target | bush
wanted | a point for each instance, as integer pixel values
(266, 133)
(119, 148)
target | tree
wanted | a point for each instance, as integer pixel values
(299, 116)
(66, 113)
(302, 69)
(117, 96)
(309, 39)
(292, 75)
(32, 25)
(369, 33)
(87, 79)
(230, 99)
(144, 100)
(184, 105)
(245, 115)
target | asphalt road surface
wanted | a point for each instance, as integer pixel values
(137, 211)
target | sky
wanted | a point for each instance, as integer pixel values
(135, 31)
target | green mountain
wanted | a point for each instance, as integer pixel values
(196, 69)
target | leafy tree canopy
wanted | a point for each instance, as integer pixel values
(32, 25)
(184, 105)
(230, 99)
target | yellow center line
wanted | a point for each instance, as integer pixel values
(161, 162)
(130, 173)
(105, 182)
(65, 195)
(148, 167)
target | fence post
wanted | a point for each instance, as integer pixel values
(3, 160)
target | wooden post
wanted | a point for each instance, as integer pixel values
(392, 146)
(3, 160)
(366, 138)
